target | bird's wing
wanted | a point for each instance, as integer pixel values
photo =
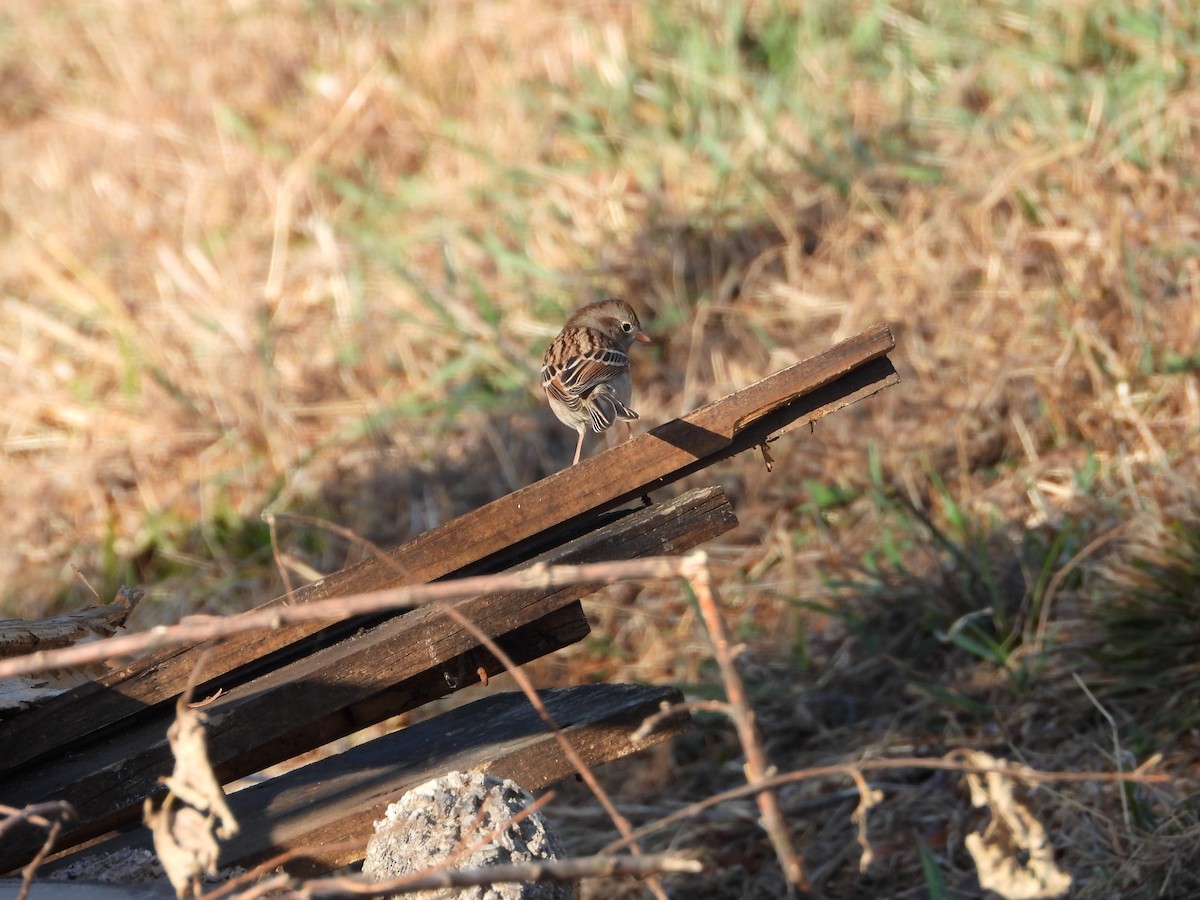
(579, 375)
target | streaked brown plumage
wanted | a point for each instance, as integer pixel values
(585, 372)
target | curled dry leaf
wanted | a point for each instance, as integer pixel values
(184, 842)
(1013, 835)
(193, 781)
(194, 814)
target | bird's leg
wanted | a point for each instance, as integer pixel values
(578, 448)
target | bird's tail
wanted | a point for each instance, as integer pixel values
(604, 408)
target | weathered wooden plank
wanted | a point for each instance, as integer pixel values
(108, 779)
(630, 469)
(380, 672)
(19, 637)
(327, 808)
(495, 536)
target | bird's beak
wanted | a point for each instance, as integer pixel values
(643, 337)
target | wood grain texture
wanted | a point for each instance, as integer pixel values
(495, 536)
(336, 800)
(380, 672)
(19, 637)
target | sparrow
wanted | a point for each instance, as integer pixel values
(585, 372)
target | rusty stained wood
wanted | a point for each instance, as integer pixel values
(495, 536)
(396, 666)
(326, 809)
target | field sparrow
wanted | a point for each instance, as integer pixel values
(585, 372)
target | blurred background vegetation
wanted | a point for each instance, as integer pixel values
(305, 257)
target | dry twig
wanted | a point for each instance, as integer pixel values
(543, 576)
(193, 815)
(51, 816)
(286, 888)
(854, 770)
(699, 576)
(564, 742)
(194, 629)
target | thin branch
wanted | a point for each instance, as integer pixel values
(559, 870)
(1140, 776)
(699, 576)
(87, 584)
(40, 814)
(51, 816)
(563, 741)
(347, 534)
(527, 687)
(275, 862)
(669, 710)
(1051, 592)
(31, 868)
(1116, 737)
(462, 850)
(195, 629)
(269, 517)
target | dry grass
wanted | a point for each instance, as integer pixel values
(308, 255)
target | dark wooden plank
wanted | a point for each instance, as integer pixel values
(493, 537)
(108, 779)
(630, 469)
(19, 637)
(380, 672)
(334, 801)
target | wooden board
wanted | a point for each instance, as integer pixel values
(327, 808)
(377, 673)
(495, 536)
(19, 637)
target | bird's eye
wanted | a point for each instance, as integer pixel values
(627, 327)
